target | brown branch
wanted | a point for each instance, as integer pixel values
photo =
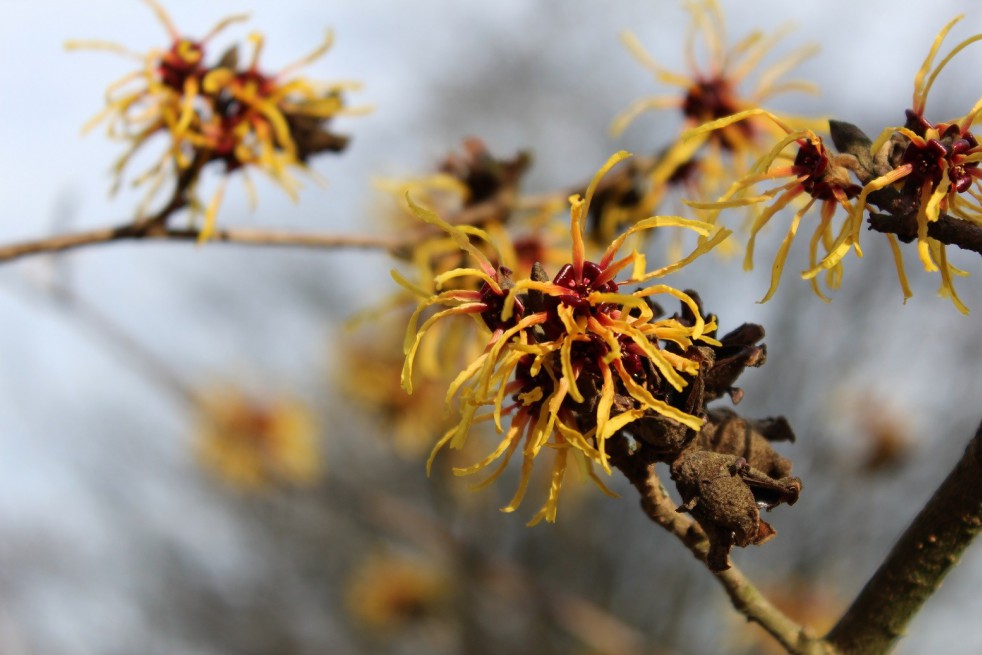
(154, 227)
(914, 569)
(267, 237)
(744, 596)
(155, 232)
(949, 231)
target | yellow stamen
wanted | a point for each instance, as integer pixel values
(310, 58)
(782, 252)
(548, 511)
(164, 18)
(898, 260)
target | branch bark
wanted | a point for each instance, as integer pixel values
(949, 231)
(158, 232)
(914, 569)
(494, 208)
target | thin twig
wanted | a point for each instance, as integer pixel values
(914, 569)
(154, 228)
(153, 232)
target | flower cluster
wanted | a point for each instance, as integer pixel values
(467, 186)
(239, 117)
(816, 176)
(929, 169)
(709, 92)
(576, 358)
(919, 173)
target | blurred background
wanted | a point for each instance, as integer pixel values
(120, 529)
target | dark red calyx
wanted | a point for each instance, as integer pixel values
(710, 99)
(181, 62)
(495, 302)
(812, 163)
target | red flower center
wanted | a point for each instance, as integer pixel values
(812, 163)
(181, 62)
(710, 99)
(930, 160)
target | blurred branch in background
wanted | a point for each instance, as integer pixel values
(322, 535)
(403, 592)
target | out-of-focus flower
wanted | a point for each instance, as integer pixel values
(472, 182)
(882, 432)
(387, 593)
(245, 119)
(890, 443)
(368, 368)
(710, 91)
(579, 358)
(254, 444)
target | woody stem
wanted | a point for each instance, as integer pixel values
(744, 596)
(914, 569)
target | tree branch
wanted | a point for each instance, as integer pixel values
(744, 596)
(949, 231)
(915, 567)
(158, 232)
(154, 227)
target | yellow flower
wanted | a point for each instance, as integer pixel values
(937, 170)
(710, 91)
(514, 239)
(243, 119)
(388, 592)
(916, 172)
(368, 373)
(159, 97)
(817, 177)
(253, 444)
(579, 358)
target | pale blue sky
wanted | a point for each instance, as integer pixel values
(77, 425)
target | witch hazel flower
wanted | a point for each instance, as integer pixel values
(571, 360)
